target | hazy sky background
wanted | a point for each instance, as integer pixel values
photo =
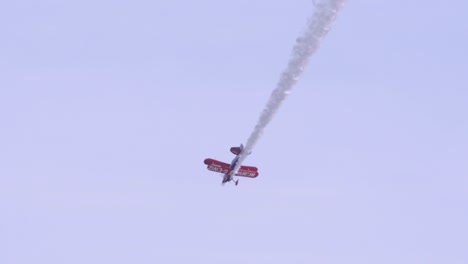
(108, 109)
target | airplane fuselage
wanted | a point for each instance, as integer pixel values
(229, 176)
(234, 162)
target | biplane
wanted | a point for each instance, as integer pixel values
(227, 169)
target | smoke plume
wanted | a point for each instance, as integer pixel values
(318, 25)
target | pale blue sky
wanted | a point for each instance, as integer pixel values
(108, 109)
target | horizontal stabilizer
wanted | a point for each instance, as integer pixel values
(236, 150)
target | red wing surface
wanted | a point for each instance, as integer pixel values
(247, 171)
(249, 168)
(216, 163)
(222, 167)
(217, 166)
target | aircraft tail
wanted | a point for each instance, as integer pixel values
(237, 150)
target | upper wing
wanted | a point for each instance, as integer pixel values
(217, 163)
(222, 167)
(217, 166)
(249, 168)
(247, 171)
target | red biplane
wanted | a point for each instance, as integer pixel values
(227, 169)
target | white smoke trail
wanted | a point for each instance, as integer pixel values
(318, 26)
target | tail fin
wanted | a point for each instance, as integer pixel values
(238, 150)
